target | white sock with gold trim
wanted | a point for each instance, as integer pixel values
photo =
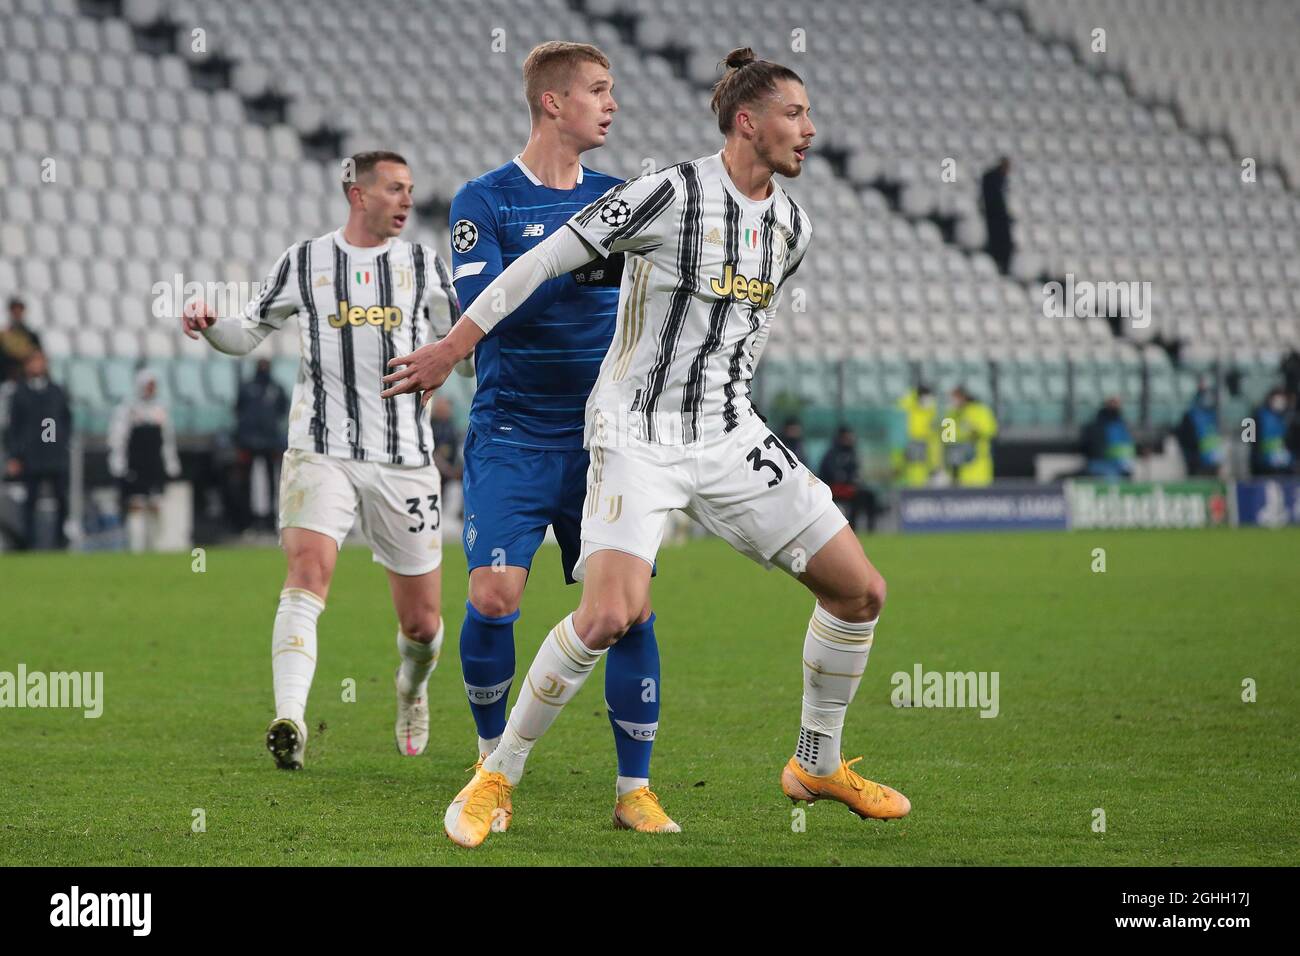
(418, 661)
(834, 659)
(557, 673)
(293, 650)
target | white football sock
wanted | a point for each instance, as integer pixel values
(293, 650)
(627, 784)
(486, 746)
(418, 661)
(137, 532)
(834, 659)
(152, 529)
(558, 672)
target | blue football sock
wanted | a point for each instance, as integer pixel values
(487, 660)
(632, 697)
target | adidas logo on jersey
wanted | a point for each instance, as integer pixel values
(743, 289)
(387, 316)
(714, 237)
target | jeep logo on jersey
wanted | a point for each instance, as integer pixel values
(743, 289)
(615, 212)
(387, 316)
(464, 235)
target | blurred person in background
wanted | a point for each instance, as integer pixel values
(921, 455)
(1198, 434)
(17, 342)
(1108, 443)
(37, 441)
(840, 471)
(970, 454)
(1290, 369)
(1269, 455)
(260, 412)
(792, 436)
(142, 457)
(997, 221)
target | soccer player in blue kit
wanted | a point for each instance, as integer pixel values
(525, 465)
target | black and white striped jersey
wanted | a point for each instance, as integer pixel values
(704, 270)
(356, 308)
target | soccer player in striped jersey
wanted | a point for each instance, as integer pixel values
(525, 466)
(360, 295)
(709, 246)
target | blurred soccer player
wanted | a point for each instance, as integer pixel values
(360, 295)
(525, 465)
(709, 245)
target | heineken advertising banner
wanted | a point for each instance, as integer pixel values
(1143, 504)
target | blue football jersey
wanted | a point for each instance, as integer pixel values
(537, 367)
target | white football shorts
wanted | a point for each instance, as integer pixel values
(744, 486)
(400, 506)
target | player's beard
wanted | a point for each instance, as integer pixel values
(780, 160)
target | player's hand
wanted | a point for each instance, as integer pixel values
(197, 317)
(423, 370)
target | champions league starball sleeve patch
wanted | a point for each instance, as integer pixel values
(464, 236)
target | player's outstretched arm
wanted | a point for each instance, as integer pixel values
(427, 367)
(231, 336)
(276, 300)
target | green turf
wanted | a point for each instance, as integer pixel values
(1119, 691)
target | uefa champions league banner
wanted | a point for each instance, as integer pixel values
(1268, 502)
(1146, 504)
(1001, 508)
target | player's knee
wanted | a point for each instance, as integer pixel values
(607, 623)
(862, 600)
(420, 626)
(493, 598)
(873, 594)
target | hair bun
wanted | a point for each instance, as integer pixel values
(741, 56)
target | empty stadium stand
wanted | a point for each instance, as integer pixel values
(142, 141)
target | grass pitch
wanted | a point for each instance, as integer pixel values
(1118, 691)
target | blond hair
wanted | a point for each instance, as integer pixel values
(550, 66)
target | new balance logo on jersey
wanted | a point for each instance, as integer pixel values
(387, 316)
(534, 229)
(742, 288)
